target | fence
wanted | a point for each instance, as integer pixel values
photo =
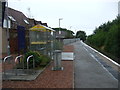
(69, 41)
(15, 68)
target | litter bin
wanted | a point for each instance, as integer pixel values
(57, 60)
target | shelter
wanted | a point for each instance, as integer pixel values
(41, 39)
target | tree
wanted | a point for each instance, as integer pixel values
(107, 38)
(81, 35)
(68, 33)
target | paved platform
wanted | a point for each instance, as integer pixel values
(48, 78)
(89, 73)
(21, 75)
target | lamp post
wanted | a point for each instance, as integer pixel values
(57, 54)
(59, 28)
(59, 25)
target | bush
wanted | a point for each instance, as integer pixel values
(36, 56)
(40, 59)
(58, 45)
(45, 60)
(106, 38)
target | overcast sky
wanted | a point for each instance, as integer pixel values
(83, 15)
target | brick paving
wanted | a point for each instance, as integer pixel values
(68, 48)
(8, 65)
(48, 78)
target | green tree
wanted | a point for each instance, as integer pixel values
(69, 33)
(107, 38)
(81, 35)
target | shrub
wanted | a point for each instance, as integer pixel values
(40, 59)
(36, 56)
(45, 60)
(58, 45)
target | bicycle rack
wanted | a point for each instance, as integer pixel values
(28, 62)
(6, 58)
(16, 59)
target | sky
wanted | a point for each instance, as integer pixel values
(85, 15)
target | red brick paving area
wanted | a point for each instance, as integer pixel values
(48, 78)
(68, 48)
(8, 65)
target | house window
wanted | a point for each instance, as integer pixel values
(5, 24)
(10, 17)
(26, 21)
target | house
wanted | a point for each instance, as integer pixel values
(13, 22)
(16, 18)
(34, 22)
(0, 27)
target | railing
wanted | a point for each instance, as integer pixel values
(6, 58)
(31, 56)
(16, 59)
(69, 41)
(18, 66)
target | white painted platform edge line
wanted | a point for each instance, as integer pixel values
(103, 66)
(103, 55)
(86, 49)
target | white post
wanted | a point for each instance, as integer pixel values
(59, 25)
(16, 59)
(4, 62)
(28, 61)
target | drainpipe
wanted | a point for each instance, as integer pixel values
(8, 38)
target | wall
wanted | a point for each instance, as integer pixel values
(0, 40)
(0, 27)
(0, 13)
(69, 41)
(4, 41)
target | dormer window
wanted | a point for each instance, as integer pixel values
(11, 18)
(26, 21)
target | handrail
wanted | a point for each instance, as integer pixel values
(16, 61)
(29, 58)
(4, 62)
(7, 57)
(28, 61)
(18, 57)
